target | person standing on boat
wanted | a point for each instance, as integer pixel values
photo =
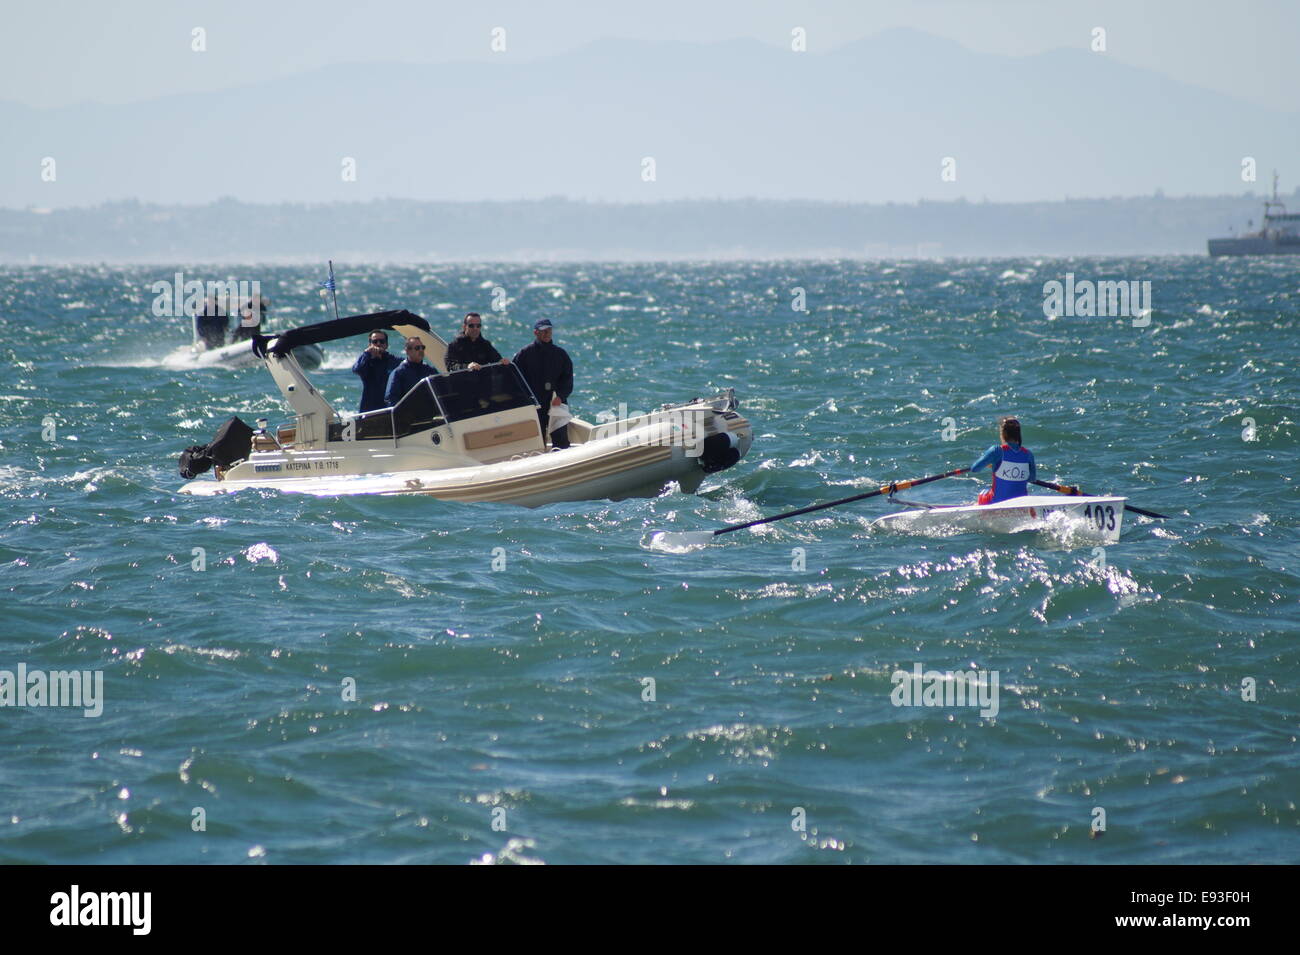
(211, 323)
(470, 350)
(373, 367)
(251, 316)
(549, 372)
(407, 373)
(1013, 465)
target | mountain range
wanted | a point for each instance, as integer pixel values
(871, 121)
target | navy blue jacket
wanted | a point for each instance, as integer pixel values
(548, 370)
(404, 378)
(464, 350)
(374, 372)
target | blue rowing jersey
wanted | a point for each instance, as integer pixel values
(1013, 469)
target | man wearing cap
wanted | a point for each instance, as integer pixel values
(549, 372)
(470, 349)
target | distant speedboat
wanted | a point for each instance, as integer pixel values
(463, 436)
(238, 355)
(1279, 235)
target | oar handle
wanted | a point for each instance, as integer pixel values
(883, 489)
(1074, 492)
(1063, 488)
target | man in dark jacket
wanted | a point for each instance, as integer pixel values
(373, 368)
(251, 318)
(406, 374)
(470, 349)
(211, 323)
(549, 372)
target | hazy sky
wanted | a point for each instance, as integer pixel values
(60, 52)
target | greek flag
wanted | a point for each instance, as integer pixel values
(329, 282)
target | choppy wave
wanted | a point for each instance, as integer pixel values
(349, 679)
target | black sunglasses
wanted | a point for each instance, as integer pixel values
(415, 348)
(379, 341)
(473, 326)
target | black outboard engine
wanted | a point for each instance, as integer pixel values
(233, 443)
(720, 452)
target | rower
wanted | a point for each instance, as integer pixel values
(1013, 465)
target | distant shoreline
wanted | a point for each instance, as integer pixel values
(565, 230)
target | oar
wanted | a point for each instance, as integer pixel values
(1072, 490)
(692, 538)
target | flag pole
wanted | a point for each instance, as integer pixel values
(334, 289)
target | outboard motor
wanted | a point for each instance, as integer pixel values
(720, 452)
(195, 460)
(233, 443)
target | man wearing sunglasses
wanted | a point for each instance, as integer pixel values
(406, 374)
(373, 368)
(470, 349)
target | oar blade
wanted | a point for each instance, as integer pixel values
(679, 542)
(1145, 513)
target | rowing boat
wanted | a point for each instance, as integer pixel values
(1097, 517)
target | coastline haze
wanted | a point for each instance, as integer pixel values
(861, 119)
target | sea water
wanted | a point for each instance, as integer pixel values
(297, 679)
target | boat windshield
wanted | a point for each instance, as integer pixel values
(439, 399)
(417, 411)
(493, 388)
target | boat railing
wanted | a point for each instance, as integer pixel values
(441, 401)
(418, 410)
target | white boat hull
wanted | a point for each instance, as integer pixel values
(238, 355)
(1100, 518)
(639, 463)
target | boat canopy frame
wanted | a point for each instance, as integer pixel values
(284, 342)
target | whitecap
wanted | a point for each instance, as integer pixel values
(261, 551)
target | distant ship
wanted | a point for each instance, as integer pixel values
(1280, 234)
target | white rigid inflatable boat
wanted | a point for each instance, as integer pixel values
(237, 355)
(467, 436)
